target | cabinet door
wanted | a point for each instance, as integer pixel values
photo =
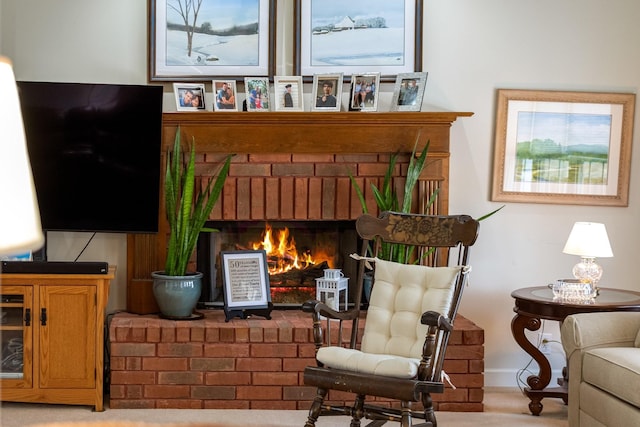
(16, 337)
(67, 321)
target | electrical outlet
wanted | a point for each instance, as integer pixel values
(544, 343)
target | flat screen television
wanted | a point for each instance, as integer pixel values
(95, 154)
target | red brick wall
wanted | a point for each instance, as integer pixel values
(304, 186)
(250, 363)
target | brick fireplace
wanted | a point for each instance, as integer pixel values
(251, 363)
(295, 167)
(288, 167)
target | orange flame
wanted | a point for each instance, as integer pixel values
(283, 250)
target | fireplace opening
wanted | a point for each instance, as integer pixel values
(297, 254)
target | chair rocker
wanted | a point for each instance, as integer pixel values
(408, 322)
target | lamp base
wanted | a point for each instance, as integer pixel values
(588, 271)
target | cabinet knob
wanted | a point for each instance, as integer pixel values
(43, 317)
(27, 317)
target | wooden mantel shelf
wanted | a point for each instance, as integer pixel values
(312, 132)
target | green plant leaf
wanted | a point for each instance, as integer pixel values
(187, 209)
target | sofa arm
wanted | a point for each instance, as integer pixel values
(603, 329)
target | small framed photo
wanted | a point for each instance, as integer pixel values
(257, 91)
(327, 92)
(409, 91)
(224, 93)
(189, 96)
(246, 279)
(288, 93)
(364, 91)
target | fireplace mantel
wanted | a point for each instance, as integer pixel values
(294, 166)
(312, 132)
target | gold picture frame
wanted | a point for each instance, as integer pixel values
(563, 147)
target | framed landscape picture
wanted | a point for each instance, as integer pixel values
(189, 96)
(358, 36)
(409, 92)
(563, 147)
(327, 92)
(226, 38)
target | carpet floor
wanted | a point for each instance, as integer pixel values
(503, 407)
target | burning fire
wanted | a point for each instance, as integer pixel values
(281, 251)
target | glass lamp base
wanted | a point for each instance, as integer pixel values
(588, 271)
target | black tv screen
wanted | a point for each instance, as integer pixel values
(95, 154)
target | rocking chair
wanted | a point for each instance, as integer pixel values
(408, 322)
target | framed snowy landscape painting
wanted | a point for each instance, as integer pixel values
(191, 40)
(358, 36)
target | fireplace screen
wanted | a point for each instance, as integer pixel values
(298, 252)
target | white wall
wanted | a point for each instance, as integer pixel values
(471, 48)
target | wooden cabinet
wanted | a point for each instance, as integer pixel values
(52, 337)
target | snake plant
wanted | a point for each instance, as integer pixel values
(187, 209)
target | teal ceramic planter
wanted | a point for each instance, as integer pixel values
(177, 296)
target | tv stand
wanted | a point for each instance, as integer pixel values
(54, 325)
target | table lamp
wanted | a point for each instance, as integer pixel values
(20, 228)
(588, 240)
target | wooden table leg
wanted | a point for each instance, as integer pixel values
(537, 383)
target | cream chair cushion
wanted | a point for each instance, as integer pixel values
(393, 335)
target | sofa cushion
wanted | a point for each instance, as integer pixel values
(615, 370)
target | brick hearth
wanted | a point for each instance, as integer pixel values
(250, 363)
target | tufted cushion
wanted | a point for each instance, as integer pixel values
(401, 293)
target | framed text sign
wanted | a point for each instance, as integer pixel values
(246, 279)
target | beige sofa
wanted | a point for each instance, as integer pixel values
(603, 356)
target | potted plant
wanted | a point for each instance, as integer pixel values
(387, 199)
(176, 290)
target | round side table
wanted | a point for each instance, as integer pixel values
(534, 304)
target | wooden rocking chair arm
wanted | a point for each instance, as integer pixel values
(433, 318)
(314, 306)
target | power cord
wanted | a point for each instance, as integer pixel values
(85, 246)
(522, 383)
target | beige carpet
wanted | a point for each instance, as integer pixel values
(503, 407)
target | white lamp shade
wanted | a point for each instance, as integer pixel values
(588, 240)
(20, 228)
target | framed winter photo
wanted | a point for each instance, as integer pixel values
(189, 96)
(192, 40)
(357, 36)
(257, 92)
(288, 93)
(327, 92)
(364, 92)
(408, 92)
(224, 95)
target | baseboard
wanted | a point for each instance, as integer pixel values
(508, 377)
